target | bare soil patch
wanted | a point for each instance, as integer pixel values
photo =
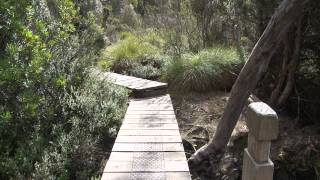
(296, 153)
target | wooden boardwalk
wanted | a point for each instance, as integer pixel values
(140, 87)
(148, 145)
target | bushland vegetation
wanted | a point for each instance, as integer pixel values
(55, 118)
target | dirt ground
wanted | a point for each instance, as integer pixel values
(198, 115)
(296, 153)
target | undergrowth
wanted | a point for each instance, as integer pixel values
(214, 68)
(98, 109)
(136, 55)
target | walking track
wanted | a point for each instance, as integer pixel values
(148, 145)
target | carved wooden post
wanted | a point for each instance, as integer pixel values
(262, 122)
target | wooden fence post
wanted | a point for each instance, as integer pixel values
(263, 125)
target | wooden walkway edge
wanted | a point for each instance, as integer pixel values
(148, 145)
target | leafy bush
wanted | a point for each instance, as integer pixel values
(51, 117)
(98, 108)
(214, 68)
(175, 43)
(146, 72)
(153, 37)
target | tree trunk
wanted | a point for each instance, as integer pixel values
(286, 80)
(292, 67)
(283, 73)
(286, 14)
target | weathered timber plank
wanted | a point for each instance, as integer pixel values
(137, 82)
(155, 112)
(147, 147)
(148, 133)
(150, 102)
(161, 103)
(158, 100)
(140, 85)
(143, 107)
(143, 121)
(162, 97)
(152, 164)
(139, 104)
(148, 84)
(151, 121)
(150, 126)
(148, 139)
(147, 176)
(165, 99)
(133, 82)
(150, 116)
(130, 156)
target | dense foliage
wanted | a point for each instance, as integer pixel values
(137, 55)
(52, 116)
(55, 116)
(214, 68)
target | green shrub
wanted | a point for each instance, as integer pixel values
(175, 43)
(129, 17)
(154, 38)
(53, 117)
(130, 48)
(146, 72)
(139, 56)
(98, 107)
(214, 68)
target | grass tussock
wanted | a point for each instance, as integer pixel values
(209, 69)
(136, 55)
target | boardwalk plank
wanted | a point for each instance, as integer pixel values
(148, 139)
(150, 126)
(150, 116)
(147, 176)
(129, 156)
(161, 97)
(133, 82)
(154, 112)
(158, 107)
(151, 121)
(147, 165)
(149, 133)
(147, 147)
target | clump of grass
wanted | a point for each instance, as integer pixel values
(128, 52)
(146, 72)
(140, 56)
(210, 69)
(130, 48)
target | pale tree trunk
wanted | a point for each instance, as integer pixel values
(286, 14)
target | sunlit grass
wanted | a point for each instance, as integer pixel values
(209, 69)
